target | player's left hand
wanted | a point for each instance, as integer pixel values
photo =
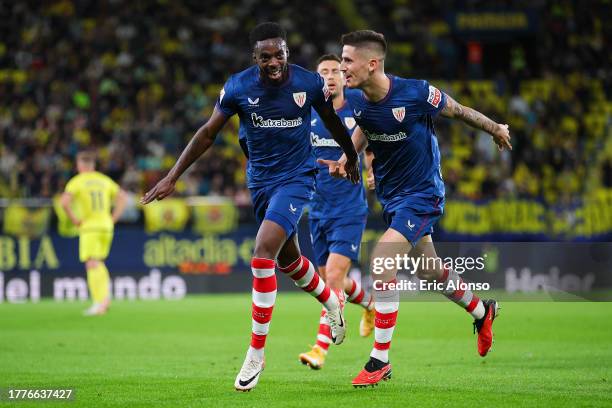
(162, 189)
(336, 169)
(501, 137)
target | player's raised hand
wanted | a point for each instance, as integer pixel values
(162, 189)
(336, 169)
(501, 137)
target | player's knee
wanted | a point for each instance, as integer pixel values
(334, 277)
(264, 250)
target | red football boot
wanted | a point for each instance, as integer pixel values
(484, 326)
(373, 372)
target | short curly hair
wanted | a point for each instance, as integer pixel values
(266, 31)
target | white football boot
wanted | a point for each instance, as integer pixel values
(249, 374)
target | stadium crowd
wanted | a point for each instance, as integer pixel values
(136, 80)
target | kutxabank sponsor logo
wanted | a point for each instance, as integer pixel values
(259, 121)
(318, 141)
(383, 137)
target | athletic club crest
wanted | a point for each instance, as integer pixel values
(399, 113)
(299, 98)
(349, 122)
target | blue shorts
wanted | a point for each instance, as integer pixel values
(283, 203)
(414, 217)
(336, 235)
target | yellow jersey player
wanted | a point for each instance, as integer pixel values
(93, 193)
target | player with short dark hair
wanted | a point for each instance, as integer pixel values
(395, 116)
(337, 217)
(273, 100)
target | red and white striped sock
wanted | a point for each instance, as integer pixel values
(464, 298)
(384, 324)
(304, 275)
(358, 296)
(324, 334)
(264, 296)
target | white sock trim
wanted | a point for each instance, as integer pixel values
(479, 311)
(382, 355)
(256, 354)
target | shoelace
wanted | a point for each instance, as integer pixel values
(334, 318)
(252, 366)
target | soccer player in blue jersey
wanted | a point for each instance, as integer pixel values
(337, 218)
(395, 116)
(273, 100)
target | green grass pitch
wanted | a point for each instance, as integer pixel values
(187, 354)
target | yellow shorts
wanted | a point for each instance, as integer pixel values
(94, 245)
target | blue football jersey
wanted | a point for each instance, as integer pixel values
(276, 121)
(334, 198)
(401, 134)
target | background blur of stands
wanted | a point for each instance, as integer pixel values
(137, 79)
(499, 219)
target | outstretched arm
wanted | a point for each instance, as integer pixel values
(360, 141)
(500, 133)
(200, 142)
(368, 158)
(338, 131)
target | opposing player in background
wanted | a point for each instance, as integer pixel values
(94, 193)
(395, 116)
(337, 217)
(273, 100)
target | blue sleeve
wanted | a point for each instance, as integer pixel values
(322, 96)
(226, 102)
(429, 98)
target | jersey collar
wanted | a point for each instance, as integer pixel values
(383, 100)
